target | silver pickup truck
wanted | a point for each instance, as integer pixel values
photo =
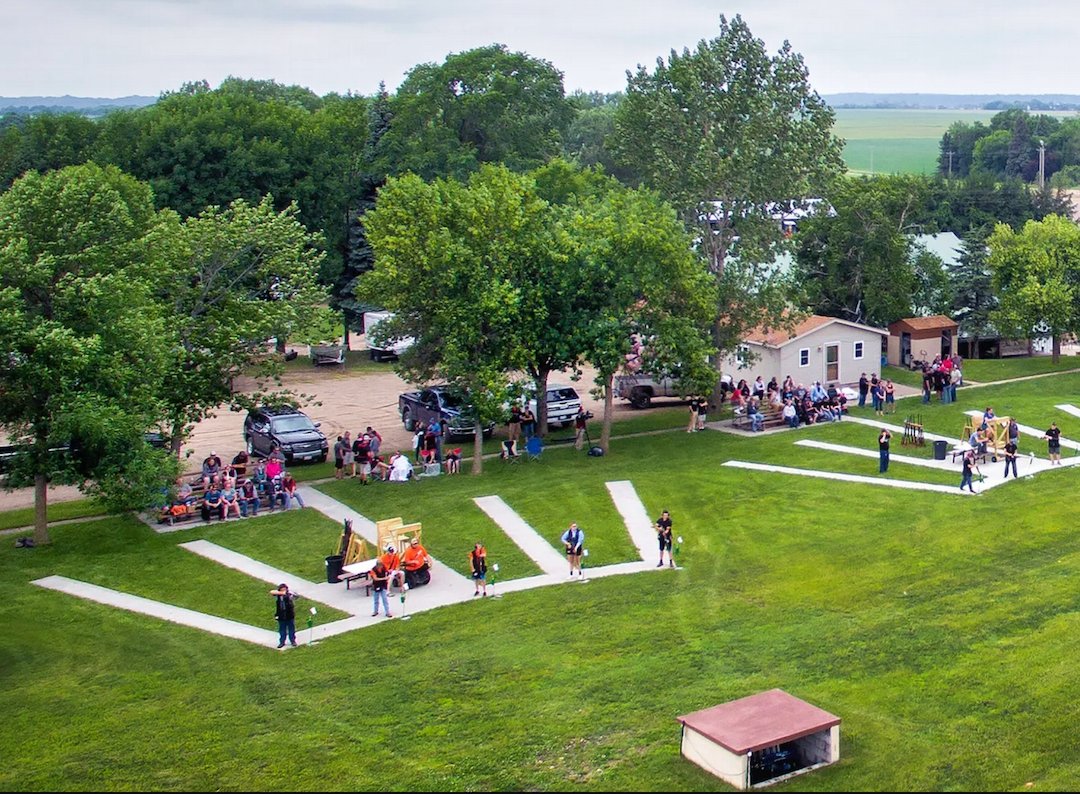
(641, 389)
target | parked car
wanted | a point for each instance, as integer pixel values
(563, 404)
(438, 401)
(381, 349)
(292, 430)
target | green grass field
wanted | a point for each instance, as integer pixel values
(901, 141)
(940, 629)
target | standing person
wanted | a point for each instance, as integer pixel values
(702, 413)
(1053, 438)
(692, 427)
(890, 397)
(339, 458)
(927, 384)
(574, 540)
(528, 422)
(362, 457)
(954, 381)
(579, 429)
(478, 568)
(375, 441)
(285, 612)
(418, 442)
(348, 454)
(966, 475)
(1010, 457)
(1014, 431)
(877, 393)
(379, 577)
(663, 535)
(864, 389)
(437, 429)
(883, 450)
(513, 424)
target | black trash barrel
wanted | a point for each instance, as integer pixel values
(940, 448)
(333, 567)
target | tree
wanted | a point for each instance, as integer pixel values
(858, 262)
(1036, 273)
(486, 105)
(237, 276)
(729, 135)
(972, 287)
(84, 337)
(444, 255)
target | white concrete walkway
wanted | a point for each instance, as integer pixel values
(831, 475)
(157, 609)
(641, 527)
(524, 536)
(1072, 410)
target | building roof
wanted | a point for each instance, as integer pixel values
(758, 721)
(777, 337)
(933, 323)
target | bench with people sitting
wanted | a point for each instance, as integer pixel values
(220, 495)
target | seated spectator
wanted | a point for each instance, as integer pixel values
(185, 494)
(380, 468)
(738, 402)
(289, 494)
(230, 500)
(509, 449)
(841, 402)
(211, 470)
(772, 385)
(453, 461)
(791, 416)
(213, 504)
(801, 392)
(430, 446)
(400, 468)
(776, 402)
(743, 387)
(260, 479)
(249, 498)
(274, 466)
(817, 393)
(757, 419)
(825, 414)
(240, 465)
(831, 392)
(758, 389)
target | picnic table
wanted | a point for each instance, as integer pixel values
(358, 570)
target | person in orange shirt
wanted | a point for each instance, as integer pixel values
(393, 564)
(417, 564)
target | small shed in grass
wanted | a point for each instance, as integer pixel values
(921, 339)
(761, 739)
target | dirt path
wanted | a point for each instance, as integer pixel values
(349, 401)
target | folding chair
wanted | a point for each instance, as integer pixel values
(533, 448)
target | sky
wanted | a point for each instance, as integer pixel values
(113, 48)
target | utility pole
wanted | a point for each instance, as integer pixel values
(1042, 164)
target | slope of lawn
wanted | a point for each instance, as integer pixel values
(940, 629)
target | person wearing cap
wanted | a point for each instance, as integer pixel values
(417, 563)
(249, 498)
(392, 562)
(211, 469)
(379, 577)
(285, 612)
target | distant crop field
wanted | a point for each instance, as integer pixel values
(900, 141)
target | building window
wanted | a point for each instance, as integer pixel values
(804, 357)
(858, 350)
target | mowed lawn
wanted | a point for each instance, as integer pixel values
(941, 629)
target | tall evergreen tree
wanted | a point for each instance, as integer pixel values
(973, 290)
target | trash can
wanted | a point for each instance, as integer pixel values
(940, 448)
(333, 567)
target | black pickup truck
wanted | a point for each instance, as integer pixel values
(438, 401)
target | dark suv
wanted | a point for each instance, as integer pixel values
(292, 430)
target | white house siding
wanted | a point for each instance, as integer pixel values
(783, 361)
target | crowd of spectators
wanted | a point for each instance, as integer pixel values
(797, 404)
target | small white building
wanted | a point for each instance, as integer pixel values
(825, 349)
(762, 739)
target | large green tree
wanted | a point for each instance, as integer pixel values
(83, 336)
(1036, 274)
(238, 276)
(486, 105)
(445, 252)
(730, 135)
(973, 291)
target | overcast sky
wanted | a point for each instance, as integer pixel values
(110, 48)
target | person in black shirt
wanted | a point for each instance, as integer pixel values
(969, 466)
(663, 535)
(1010, 458)
(285, 612)
(864, 389)
(883, 450)
(1053, 437)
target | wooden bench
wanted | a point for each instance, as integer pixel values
(194, 510)
(771, 419)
